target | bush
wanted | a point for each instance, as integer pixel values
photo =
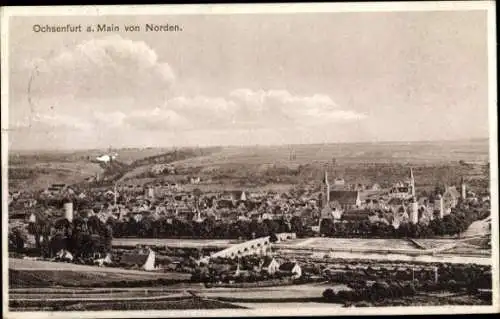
(329, 294)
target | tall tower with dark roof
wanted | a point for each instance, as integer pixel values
(412, 183)
(326, 189)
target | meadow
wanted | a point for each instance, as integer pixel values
(34, 273)
(262, 166)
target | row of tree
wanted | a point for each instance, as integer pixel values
(81, 237)
(455, 223)
(207, 229)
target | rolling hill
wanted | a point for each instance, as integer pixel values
(433, 162)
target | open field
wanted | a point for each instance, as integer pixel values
(44, 274)
(478, 228)
(416, 152)
(38, 265)
(66, 299)
(97, 296)
(347, 243)
(47, 278)
(42, 174)
(269, 293)
(126, 155)
(182, 303)
(453, 258)
(259, 166)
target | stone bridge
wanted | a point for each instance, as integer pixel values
(259, 246)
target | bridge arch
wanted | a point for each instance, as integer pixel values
(254, 246)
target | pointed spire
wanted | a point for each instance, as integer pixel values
(412, 182)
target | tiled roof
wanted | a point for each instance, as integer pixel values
(344, 197)
(452, 191)
(132, 259)
(288, 266)
(267, 262)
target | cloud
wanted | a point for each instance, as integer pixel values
(158, 120)
(243, 109)
(112, 83)
(51, 122)
(110, 67)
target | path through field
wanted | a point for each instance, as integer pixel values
(478, 228)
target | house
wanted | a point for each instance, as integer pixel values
(339, 183)
(291, 269)
(195, 180)
(142, 258)
(235, 196)
(58, 186)
(451, 197)
(32, 218)
(345, 199)
(64, 255)
(103, 261)
(269, 265)
(402, 192)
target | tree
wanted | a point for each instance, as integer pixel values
(95, 225)
(253, 228)
(58, 243)
(273, 238)
(145, 227)
(326, 226)
(272, 226)
(296, 225)
(17, 239)
(108, 238)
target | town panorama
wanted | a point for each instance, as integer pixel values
(249, 162)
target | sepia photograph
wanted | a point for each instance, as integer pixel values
(249, 160)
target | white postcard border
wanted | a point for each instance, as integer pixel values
(284, 8)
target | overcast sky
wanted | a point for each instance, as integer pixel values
(250, 79)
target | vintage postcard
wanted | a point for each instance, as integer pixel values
(249, 160)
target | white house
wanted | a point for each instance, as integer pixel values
(270, 266)
(291, 269)
(144, 259)
(103, 261)
(64, 255)
(106, 158)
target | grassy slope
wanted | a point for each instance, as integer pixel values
(41, 175)
(43, 274)
(434, 162)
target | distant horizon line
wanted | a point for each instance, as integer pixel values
(243, 145)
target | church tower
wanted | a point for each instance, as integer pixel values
(412, 183)
(326, 190)
(464, 188)
(414, 211)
